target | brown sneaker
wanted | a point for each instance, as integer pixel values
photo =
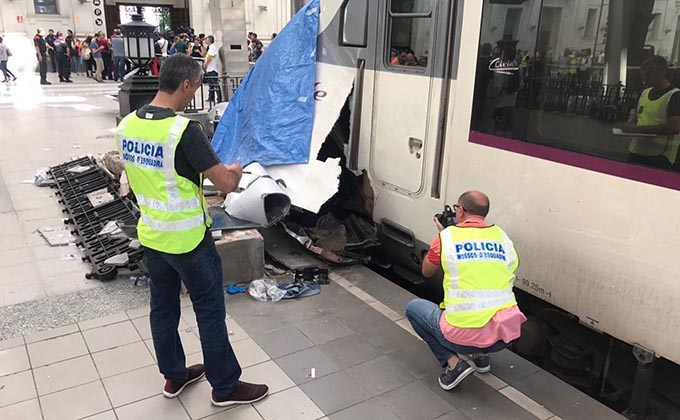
(245, 393)
(174, 388)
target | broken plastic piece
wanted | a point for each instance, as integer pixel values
(118, 260)
(259, 198)
(56, 236)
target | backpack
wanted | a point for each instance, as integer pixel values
(86, 53)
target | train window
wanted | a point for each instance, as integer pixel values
(411, 6)
(410, 26)
(579, 76)
(354, 24)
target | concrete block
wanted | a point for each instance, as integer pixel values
(242, 254)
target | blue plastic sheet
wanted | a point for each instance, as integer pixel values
(271, 115)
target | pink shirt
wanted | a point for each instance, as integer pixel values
(505, 325)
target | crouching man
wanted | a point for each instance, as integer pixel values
(479, 314)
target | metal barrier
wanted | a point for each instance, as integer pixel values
(75, 180)
(573, 95)
(213, 90)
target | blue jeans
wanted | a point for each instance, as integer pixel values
(201, 272)
(424, 316)
(118, 68)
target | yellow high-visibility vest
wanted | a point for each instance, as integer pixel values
(174, 214)
(479, 266)
(655, 112)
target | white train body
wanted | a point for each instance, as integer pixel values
(601, 245)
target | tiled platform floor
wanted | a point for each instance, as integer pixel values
(366, 367)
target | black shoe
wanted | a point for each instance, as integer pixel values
(452, 376)
(45, 82)
(14, 78)
(174, 388)
(245, 393)
(68, 81)
(482, 363)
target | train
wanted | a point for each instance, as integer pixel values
(520, 99)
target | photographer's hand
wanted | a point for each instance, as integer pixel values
(439, 225)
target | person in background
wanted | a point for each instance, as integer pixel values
(256, 48)
(163, 46)
(173, 231)
(274, 35)
(181, 46)
(5, 53)
(41, 54)
(479, 314)
(197, 50)
(173, 49)
(63, 54)
(49, 39)
(73, 53)
(86, 55)
(211, 68)
(118, 46)
(107, 58)
(95, 50)
(657, 118)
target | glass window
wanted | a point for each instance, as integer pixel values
(45, 7)
(411, 6)
(600, 82)
(354, 23)
(410, 26)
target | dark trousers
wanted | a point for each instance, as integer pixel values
(201, 272)
(89, 66)
(5, 71)
(424, 318)
(214, 91)
(118, 68)
(108, 66)
(53, 60)
(64, 63)
(43, 68)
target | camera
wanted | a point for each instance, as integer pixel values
(447, 217)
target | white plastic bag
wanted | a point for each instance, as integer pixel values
(265, 289)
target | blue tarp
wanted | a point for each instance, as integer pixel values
(270, 117)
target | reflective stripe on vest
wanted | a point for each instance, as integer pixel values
(655, 112)
(173, 210)
(479, 265)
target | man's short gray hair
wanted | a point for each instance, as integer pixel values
(176, 69)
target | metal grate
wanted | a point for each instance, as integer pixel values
(89, 219)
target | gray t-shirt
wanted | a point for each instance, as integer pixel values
(118, 45)
(3, 52)
(93, 47)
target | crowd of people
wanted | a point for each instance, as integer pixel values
(102, 58)
(95, 56)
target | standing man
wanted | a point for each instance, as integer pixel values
(118, 46)
(73, 56)
(107, 58)
(41, 54)
(166, 157)
(63, 54)
(212, 71)
(182, 46)
(479, 314)
(96, 52)
(657, 118)
(50, 49)
(5, 53)
(163, 46)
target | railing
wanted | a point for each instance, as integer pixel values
(213, 90)
(571, 94)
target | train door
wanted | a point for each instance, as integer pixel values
(403, 96)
